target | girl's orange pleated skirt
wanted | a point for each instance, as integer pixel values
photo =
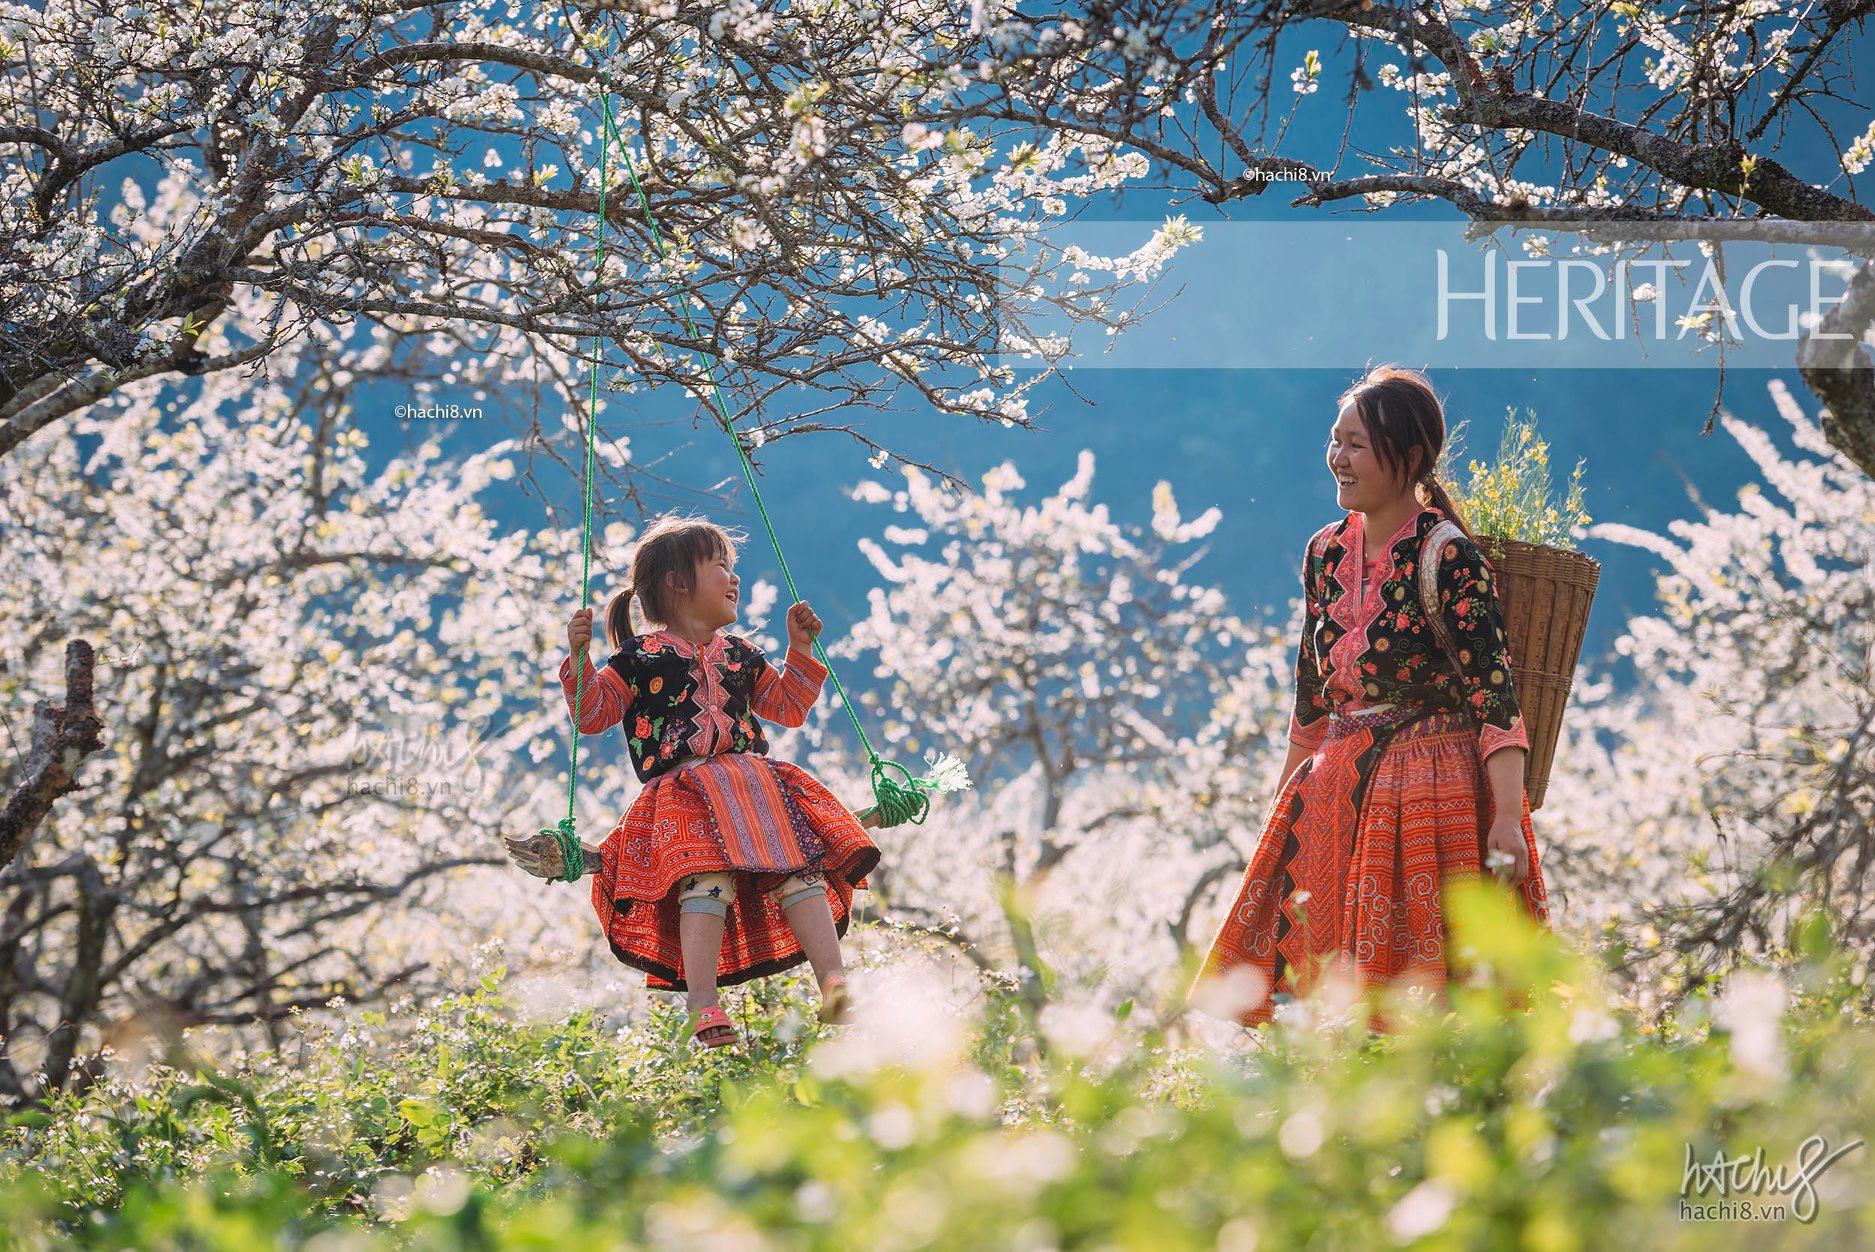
(671, 832)
(1348, 872)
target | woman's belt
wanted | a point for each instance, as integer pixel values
(1390, 715)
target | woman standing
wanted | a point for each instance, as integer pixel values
(1406, 744)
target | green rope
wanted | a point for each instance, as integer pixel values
(897, 800)
(565, 833)
(572, 855)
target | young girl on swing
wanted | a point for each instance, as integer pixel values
(728, 866)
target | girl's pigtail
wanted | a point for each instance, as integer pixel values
(618, 618)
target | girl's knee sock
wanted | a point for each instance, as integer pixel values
(803, 893)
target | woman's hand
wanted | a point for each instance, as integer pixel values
(803, 626)
(1504, 851)
(579, 631)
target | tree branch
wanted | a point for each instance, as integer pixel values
(62, 737)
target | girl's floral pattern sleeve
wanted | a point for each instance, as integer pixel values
(604, 700)
(1475, 618)
(1308, 721)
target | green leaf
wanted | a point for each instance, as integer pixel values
(418, 1113)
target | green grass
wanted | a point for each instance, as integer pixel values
(1558, 1125)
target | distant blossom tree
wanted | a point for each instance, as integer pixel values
(1072, 663)
(307, 671)
(1728, 791)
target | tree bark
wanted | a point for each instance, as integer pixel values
(1838, 372)
(61, 738)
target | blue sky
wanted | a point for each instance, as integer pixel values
(1246, 440)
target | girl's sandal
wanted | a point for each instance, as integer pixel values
(713, 1019)
(836, 1002)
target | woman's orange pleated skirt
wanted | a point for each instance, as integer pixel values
(1349, 870)
(670, 832)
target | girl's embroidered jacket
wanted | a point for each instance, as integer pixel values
(676, 699)
(1360, 650)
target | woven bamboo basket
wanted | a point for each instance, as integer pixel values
(1546, 594)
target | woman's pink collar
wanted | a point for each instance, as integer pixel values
(1359, 520)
